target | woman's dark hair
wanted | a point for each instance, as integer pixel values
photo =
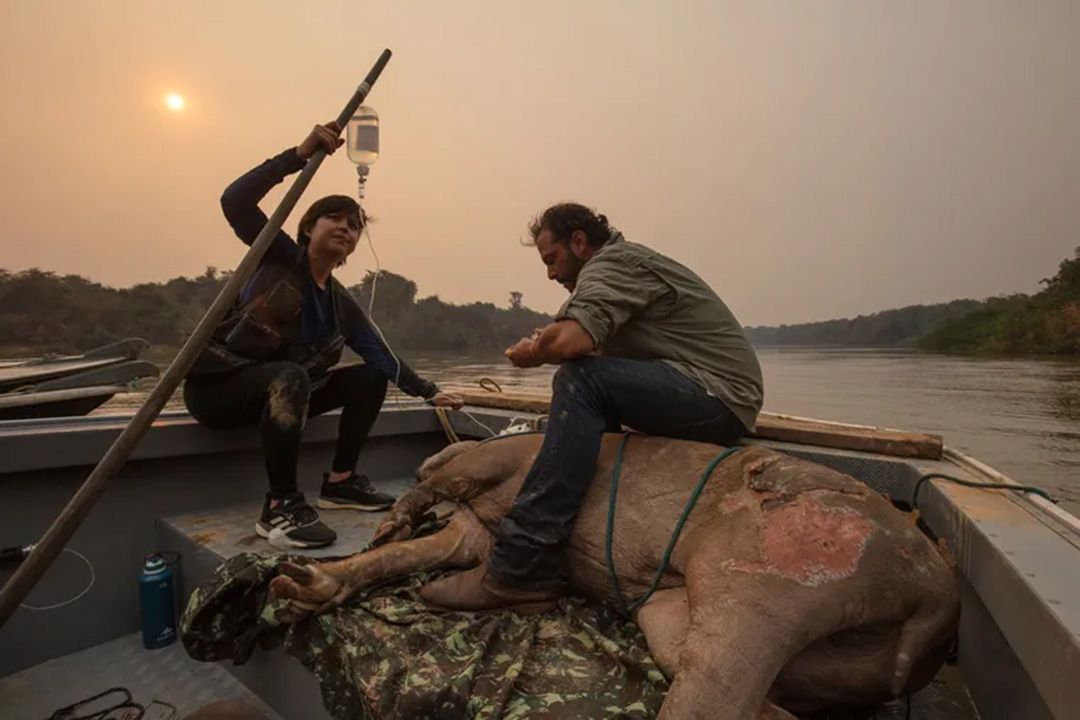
(329, 205)
(564, 219)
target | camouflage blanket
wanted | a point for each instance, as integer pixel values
(384, 656)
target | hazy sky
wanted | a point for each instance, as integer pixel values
(809, 159)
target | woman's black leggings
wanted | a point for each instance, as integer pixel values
(278, 396)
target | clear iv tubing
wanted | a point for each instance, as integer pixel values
(371, 313)
(371, 319)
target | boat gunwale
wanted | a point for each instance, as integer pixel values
(1056, 512)
(44, 397)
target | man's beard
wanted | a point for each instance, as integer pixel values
(571, 282)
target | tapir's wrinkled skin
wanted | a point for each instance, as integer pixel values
(792, 585)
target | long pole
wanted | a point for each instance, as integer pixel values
(68, 521)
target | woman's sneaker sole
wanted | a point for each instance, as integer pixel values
(347, 505)
(280, 539)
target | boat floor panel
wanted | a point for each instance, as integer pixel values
(166, 674)
(945, 698)
(230, 531)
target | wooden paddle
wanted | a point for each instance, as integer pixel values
(65, 525)
(783, 428)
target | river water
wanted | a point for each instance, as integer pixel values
(1021, 416)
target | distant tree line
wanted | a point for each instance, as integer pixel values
(1046, 323)
(431, 324)
(44, 312)
(902, 327)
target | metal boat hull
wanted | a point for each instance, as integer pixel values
(1019, 644)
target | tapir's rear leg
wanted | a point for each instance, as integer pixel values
(323, 586)
(663, 620)
(762, 586)
(737, 641)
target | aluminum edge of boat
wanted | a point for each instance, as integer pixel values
(15, 373)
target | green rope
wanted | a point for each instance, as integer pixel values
(627, 610)
(969, 483)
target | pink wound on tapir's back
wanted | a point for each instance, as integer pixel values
(809, 542)
(812, 543)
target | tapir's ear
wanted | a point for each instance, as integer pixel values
(441, 458)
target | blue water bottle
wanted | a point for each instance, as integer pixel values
(156, 601)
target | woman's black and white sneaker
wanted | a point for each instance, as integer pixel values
(293, 524)
(353, 493)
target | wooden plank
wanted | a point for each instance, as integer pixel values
(520, 402)
(801, 431)
(883, 441)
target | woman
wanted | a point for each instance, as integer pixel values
(269, 362)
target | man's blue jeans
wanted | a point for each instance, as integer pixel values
(594, 395)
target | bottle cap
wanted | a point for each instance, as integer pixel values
(153, 563)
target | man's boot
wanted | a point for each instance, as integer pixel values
(478, 590)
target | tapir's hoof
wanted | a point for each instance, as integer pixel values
(308, 588)
(477, 591)
(393, 529)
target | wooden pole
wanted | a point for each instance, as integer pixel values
(67, 522)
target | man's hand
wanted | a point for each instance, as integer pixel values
(323, 137)
(447, 399)
(556, 343)
(523, 353)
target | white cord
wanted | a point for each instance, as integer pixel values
(517, 425)
(68, 602)
(473, 418)
(371, 319)
(371, 314)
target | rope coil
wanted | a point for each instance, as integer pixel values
(65, 603)
(485, 382)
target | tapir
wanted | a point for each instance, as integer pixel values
(791, 588)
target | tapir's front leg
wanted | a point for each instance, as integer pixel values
(324, 586)
(460, 472)
(408, 511)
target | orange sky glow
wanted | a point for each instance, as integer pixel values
(810, 160)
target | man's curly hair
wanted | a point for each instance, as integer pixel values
(564, 219)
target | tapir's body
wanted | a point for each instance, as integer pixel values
(790, 584)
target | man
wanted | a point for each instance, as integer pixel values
(643, 342)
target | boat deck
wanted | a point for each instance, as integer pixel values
(230, 530)
(166, 675)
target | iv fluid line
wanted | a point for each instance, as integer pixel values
(371, 313)
(371, 319)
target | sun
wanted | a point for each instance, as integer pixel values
(174, 102)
